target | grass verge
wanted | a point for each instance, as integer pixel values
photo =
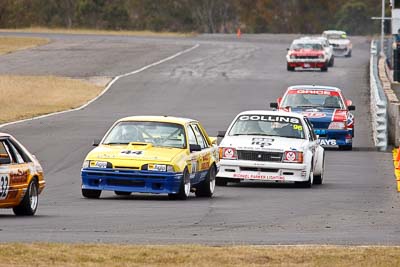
(24, 97)
(98, 32)
(194, 255)
(11, 44)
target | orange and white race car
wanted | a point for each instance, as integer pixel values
(21, 177)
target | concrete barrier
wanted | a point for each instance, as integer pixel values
(378, 103)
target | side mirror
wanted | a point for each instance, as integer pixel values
(213, 140)
(351, 107)
(96, 142)
(195, 148)
(5, 159)
(287, 49)
(273, 105)
(221, 133)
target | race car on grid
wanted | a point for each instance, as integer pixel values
(326, 108)
(342, 45)
(270, 146)
(307, 53)
(152, 154)
(21, 177)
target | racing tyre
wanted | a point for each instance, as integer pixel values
(90, 193)
(331, 62)
(122, 193)
(29, 203)
(207, 187)
(289, 68)
(324, 68)
(221, 181)
(319, 178)
(184, 188)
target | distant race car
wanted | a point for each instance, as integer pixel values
(21, 177)
(326, 108)
(270, 146)
(327, 48)
(307, 53)
(342, 46)
(152, 154)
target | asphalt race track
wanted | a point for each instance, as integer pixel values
(357, 204)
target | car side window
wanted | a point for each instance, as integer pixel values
(192, 136)
(311, 131)
(5, 156)
(200, 138)
(20, 151)
(18, 157)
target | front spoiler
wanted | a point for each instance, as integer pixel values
(265, 171)
(131, 180)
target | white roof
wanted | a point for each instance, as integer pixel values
(271, 112)
(334, 32)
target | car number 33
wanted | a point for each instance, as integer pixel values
(4, 185)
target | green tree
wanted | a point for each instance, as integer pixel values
(354, 18)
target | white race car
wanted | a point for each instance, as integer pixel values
(270, 146)
(342, 46)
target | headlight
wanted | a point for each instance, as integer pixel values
(321, 56)
(292, 56)
(86, 164)
(158, 167)
(337, 125)
(293, 157)
(227, 153)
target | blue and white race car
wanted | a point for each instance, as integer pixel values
(326, 108)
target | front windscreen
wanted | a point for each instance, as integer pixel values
(336, 36)
(268, 125)
(312, 98)
(312, 46)
(157, 133)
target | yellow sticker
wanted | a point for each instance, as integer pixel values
(298, 127)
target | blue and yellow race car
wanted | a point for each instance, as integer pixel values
(152, 154)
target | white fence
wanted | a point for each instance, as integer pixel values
(378, 103)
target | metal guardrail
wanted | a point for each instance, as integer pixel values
(378, 102)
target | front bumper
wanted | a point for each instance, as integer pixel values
(266, 171)
(131, 180)
(341, 51)
(334, 137)
(306, 63)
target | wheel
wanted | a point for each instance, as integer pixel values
(29, 203)
(184, 188)
(349, 54)
(331, 62)
(221, 181)
(207, 187)
(90, 193)
(122, 193)
(289, 68)
(319, 178)
(324, 68)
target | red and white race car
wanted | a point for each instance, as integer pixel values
(326, 108)
(307, 53)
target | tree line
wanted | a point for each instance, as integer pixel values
(204, 16)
